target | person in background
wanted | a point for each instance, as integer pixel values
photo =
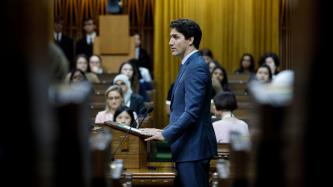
(113, 100)
(131, 72)
(141, 55)
(77, 75)
(64, 42)
(132, 100)
(138, 84)
(207, 54)
(272, 60)
(246, 65)
(143, 73)
(225, 104)
(95, 64)
(219, 80)
(81, 63)
(85, 44)
(125, 115)
(264, 74)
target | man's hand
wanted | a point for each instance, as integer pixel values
(156, 136)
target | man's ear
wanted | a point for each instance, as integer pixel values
(191, 40)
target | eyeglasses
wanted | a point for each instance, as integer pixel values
(114, 98)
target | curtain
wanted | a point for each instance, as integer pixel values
(230, 28)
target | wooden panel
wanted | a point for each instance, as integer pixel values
(100, 88)
(133, 150)
(157, 174)
(241, 78)
(107, 78)
(98, 98)
(238, 87)
(112, 63)
(97, 46)
(114, 34)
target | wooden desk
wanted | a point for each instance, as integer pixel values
(156, 174)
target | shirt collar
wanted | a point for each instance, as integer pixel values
(92, 35)
(55, 35)
(188, 56)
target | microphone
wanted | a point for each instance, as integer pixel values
(142, 111)
(148, 111)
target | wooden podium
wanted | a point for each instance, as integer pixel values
(133, 149)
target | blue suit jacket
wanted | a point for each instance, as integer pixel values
(190, 131)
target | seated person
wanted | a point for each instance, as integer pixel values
(272, 60)
(81, 63)
(219, 80)
(125, 115)
(113, 100)
(77, 76)
(207, 55)
(132, 100)
(95, 64)
(225, 103)
(138, 84)
(264, 74)
(246, 64)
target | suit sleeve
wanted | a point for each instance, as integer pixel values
(196, 86)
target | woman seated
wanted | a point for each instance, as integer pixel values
(81, 63)
(225, 104)
(77, 76)
(139, 85)
(264, 74)
(125, 115)
(113, 100)
(219, 80)
(272, 60)
(246, 65)
(132, 100)
(95, 64)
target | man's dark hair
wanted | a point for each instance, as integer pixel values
(225, 101)
(189, 29)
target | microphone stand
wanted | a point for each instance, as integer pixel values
(144, 117)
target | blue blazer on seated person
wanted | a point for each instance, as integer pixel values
(190, 131)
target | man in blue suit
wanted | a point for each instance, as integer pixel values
(189, 132)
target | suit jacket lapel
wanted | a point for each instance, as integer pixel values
(180, 75)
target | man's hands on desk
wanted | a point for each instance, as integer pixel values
(156, 134)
